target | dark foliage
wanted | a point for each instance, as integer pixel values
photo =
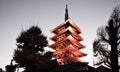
(107, 44)
(30, 51)
(11, 67)
(32, 39)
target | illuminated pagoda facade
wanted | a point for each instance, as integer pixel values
(67, 44)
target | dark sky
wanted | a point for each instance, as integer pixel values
(16, 15)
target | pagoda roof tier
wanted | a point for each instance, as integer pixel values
(65, 33)
(66, 22)
(68, 52)
(63, 61)
(67, 47)
(68, 40)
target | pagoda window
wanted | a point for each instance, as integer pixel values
(67, 33)
(60, 37)
(63, 45)
(68, 52)
(67, 42)
(60, 30)
(60, 46)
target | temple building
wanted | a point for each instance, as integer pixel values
(66, 38)
(67, 47)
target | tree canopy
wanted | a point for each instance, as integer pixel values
(30, 50)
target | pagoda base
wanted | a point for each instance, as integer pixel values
(74, 67)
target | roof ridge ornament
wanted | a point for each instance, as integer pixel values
(66, 13)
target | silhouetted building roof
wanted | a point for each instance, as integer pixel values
(74, 67)
(103, 69)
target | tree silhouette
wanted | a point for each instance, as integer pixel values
(107, 44)
(30, 49)
(11, 67)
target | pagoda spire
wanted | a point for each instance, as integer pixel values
(66, 13)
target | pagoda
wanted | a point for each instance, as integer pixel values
(66, 42)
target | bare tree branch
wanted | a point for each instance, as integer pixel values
(110, 34)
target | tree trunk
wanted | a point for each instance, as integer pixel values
(114, 59)
(114, 52)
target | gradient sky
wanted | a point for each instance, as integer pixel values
(16, 15)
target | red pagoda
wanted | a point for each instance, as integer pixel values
(67, 46)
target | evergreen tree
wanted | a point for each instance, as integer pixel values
(30, 48)
(107, 44)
